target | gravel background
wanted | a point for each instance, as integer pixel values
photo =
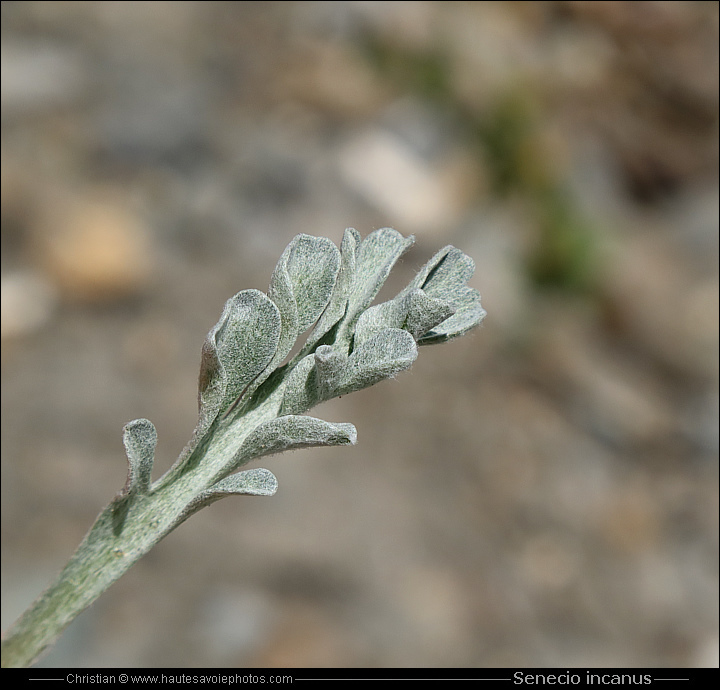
(542, 492)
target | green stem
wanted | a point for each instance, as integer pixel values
(124, 532)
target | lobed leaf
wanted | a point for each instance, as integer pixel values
(413, 311)
(329, 367)
(301, 388)
(469, 313)
(290, 432)
(376, 256)
(238, 348)
(301, 286)
(425, 312)
(379, 357)
(337, 306)
(140, 440)
(444, 278)
(255, 482)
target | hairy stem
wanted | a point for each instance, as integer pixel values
(121, 535)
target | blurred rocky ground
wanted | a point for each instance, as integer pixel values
(543, 492)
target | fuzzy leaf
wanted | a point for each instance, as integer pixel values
(448, 269)
(443, 278)
(313, 266)
(281, 292)
(414, 311)
(302, 284)
(337, 305)
(469, 313)
(380, 317)
(237, 349)
(377, 255)
(381, 356)
(425, 312)
(301, 388)
(316, 378)
(328, 373)
(422, 275)
(255, 482)
(293, 431)
(329, 367)
(140, 439)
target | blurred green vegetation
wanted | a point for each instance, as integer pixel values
(507, 139)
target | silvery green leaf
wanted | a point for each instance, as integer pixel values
(380, 317)
(290, 432)
(469, 313)
(443, 278)
(301, 388)
(413, 311)
(329, 367)
(422, 275)
(314, 379)
(237, 349)
(140, 439)
(302, 284)
(313, 267)
(379, 357)
(337, 305)
(449, 275)
(327, 374)
(377, 255)
(448, 269)
(255, 482)
(425, 312)
(281, 292)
